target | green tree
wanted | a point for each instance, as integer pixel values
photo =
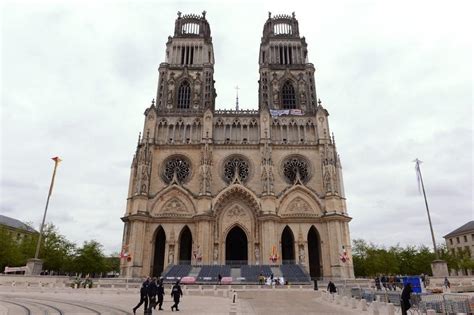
(90, 259)
(10, 254)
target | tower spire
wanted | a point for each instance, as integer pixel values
(236, 97)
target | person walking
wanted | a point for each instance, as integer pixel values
(219, 279)
(160, 292)
(446, 283)
(331, 287)
(176, 294)
(143, 295)
(405, 298)
(152, 291)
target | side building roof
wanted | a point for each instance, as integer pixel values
(466, 228)
(16, 224)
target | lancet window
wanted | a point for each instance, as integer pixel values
(184, 95)
(288, 96)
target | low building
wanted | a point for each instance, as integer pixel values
(16, 228)
(461, 239)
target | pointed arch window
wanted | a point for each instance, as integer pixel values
(184, 95)
(288, 97)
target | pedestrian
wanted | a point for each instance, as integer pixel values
(219, 279)
(332, 287)
(405, 298)
(446, 283)
(160, 292)
(271, 277)
(377, 283)
(152, 291)
(176, 294)
(423, 280)
(143, 295)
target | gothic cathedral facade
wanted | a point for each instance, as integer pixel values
(212, 186)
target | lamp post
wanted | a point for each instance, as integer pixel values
(35, 265)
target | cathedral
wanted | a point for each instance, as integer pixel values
(236, 187)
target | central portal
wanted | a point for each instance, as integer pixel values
(236, 249)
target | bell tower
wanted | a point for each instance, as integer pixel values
(186, 78)
(286, 77)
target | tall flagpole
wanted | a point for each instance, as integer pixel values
(426, 204)
(56, 162)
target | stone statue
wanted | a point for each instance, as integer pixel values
(171, 256)
(257, 253)
(301, 254)
(216, 253)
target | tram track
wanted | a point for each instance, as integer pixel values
(74, 303)
(27, 310)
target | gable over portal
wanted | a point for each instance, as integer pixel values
(172, 202)
(300, 201)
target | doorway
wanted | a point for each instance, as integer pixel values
(287, 246)
(185, 246)
(314, 252)
(236, 248)
(159, 257)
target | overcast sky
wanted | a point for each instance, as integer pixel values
(395, 76)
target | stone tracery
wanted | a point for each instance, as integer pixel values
(176, 167)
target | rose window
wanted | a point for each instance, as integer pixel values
(236, 165)
(295, 167)
(176, 165)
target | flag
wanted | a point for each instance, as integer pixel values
(418, 173)
(56, 159)
(124, 253)
(274, 254)
(297, 112)
(343, 256)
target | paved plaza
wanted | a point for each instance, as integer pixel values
(69, 301)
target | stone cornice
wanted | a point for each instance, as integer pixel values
(336, 216)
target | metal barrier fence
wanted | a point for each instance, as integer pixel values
(441, 303)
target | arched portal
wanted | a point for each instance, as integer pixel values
(159, 257)
(185, 246)
(287, 246)
(236, 248)
(314, 253)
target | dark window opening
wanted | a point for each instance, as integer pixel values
(184, 95)
(288, 96)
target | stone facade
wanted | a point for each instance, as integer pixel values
(212, 186)
(461, 240)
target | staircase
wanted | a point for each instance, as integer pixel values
(194, 272)
(235, 273)
(276, 271)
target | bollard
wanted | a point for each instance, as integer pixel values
(363, 305)
(430, 312)
(390, 309)
(375, 308)
(233, 309)
(353, 303)
(344, 301)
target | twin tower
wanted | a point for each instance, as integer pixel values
(236, 187)
(186, 80)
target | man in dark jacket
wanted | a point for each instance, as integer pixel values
(331, 287)
(160, 292)
(143, 295)
(152, 291)
(405, 298)
(176, 294)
